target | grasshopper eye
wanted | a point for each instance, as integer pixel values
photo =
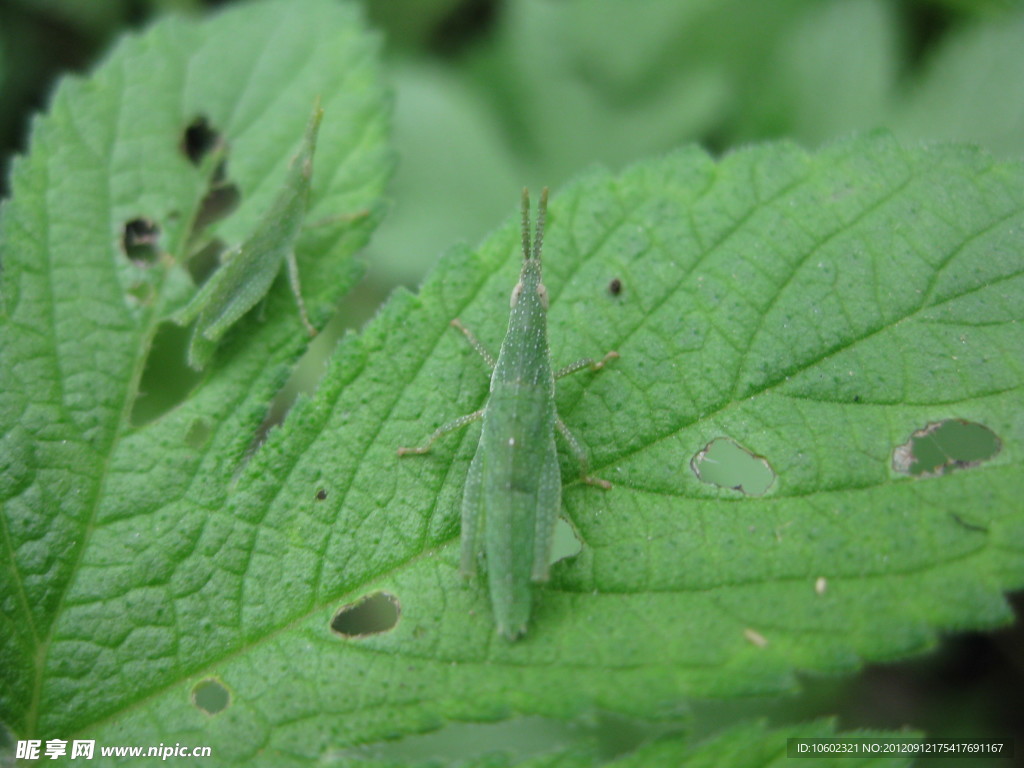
(514, 299)
(543, 293)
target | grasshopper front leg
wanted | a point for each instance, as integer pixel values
(451, 426)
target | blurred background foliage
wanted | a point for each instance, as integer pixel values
(491, 95)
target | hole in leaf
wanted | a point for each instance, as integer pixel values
(199, 139)
(205, 261)
(198, 433)
(372, 615)
(220, 201)
(140, 241)
(615, 287)
(211, 696)
(199, 142)
(303, 380)
(166, 380)
(566, 543)
(725, 463)
(321, 495)
(944, 446)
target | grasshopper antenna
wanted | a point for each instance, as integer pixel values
(526, 223)
(542, 213)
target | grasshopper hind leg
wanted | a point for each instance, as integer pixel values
(472, 512)
(581, 456)
(549, 504)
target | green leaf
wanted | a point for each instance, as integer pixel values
(817, 310)
(971, 89)
(573, 84)
(88, 498)
(441, 195)
(829, 73)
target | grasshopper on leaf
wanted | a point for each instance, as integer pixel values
(247, 272)
(513, 491)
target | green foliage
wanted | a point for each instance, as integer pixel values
(816, 308)
(79, 318)
(553, 87)
(971, 89)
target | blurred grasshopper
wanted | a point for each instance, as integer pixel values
(513, 491)
(247, 272)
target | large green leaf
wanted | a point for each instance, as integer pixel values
(833, 70)
(98, 511)
(971, 89)
(574, 82)
(817, 310)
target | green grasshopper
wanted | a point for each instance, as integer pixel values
(513, 491)
(248, 272)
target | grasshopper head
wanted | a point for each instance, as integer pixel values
(531, 286)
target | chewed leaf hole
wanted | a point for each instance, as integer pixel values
(944, 446)
(211, 696)
(140, 240)
(725, 463)
(201, 143)
(565, 543)
(221, 199)
(372, 615)
(199, 139)
(206, 260)
(166, 379)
